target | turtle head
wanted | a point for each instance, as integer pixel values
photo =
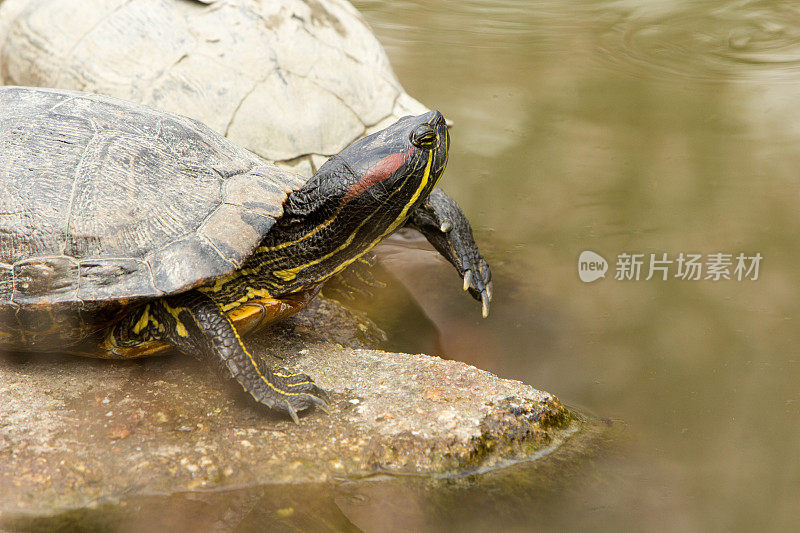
(356, 199)
(393, 170)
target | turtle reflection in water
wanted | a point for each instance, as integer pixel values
(127, 232)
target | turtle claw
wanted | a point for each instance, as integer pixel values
(299, 393)
(485, 299)
(448, 230)
(480, 286)
(292, 413)
(308, 399)
(321, 404)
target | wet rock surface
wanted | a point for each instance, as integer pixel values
(78, 433)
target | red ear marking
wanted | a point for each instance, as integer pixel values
(380, 171)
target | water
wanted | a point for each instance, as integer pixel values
(640, 127)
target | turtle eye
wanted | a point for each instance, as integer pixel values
(423, 137)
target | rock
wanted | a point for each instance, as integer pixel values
(77, 433)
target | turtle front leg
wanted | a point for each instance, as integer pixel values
(195, 325)
(446, 227)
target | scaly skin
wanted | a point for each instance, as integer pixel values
(195, 325)
(448, 230)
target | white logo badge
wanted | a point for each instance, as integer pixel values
(591, 266)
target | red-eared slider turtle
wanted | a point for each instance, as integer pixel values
(291, 80)
(126, 231)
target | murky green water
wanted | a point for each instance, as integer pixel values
(639, 127)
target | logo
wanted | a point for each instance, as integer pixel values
(591, 266)
(718, 266)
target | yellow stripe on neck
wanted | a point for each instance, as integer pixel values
(291, 273)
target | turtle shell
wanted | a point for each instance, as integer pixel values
(291, 80)
(104, 200)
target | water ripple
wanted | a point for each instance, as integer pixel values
(477, 24)
(740, 40)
